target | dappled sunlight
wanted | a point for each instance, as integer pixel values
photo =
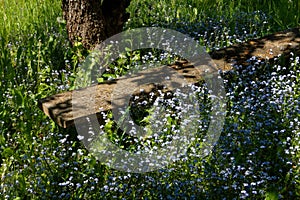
(257, 154)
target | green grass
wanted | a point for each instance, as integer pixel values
(22, 17)
(257, 155)
(285, 14)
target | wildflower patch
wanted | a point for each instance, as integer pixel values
(59, 108)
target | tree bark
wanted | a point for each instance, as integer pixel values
(91, 21)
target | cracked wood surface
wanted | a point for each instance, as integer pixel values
(59, 106)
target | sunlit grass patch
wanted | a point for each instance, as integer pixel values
(22, 17)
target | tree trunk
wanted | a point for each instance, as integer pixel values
(91, 21)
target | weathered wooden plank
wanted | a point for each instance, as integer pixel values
(265, 48)
(59, 107)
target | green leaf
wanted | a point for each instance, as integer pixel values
(7, 152)
(271, 195)
(19, 97)
(100, 80)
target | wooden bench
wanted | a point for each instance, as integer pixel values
(59, 108)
